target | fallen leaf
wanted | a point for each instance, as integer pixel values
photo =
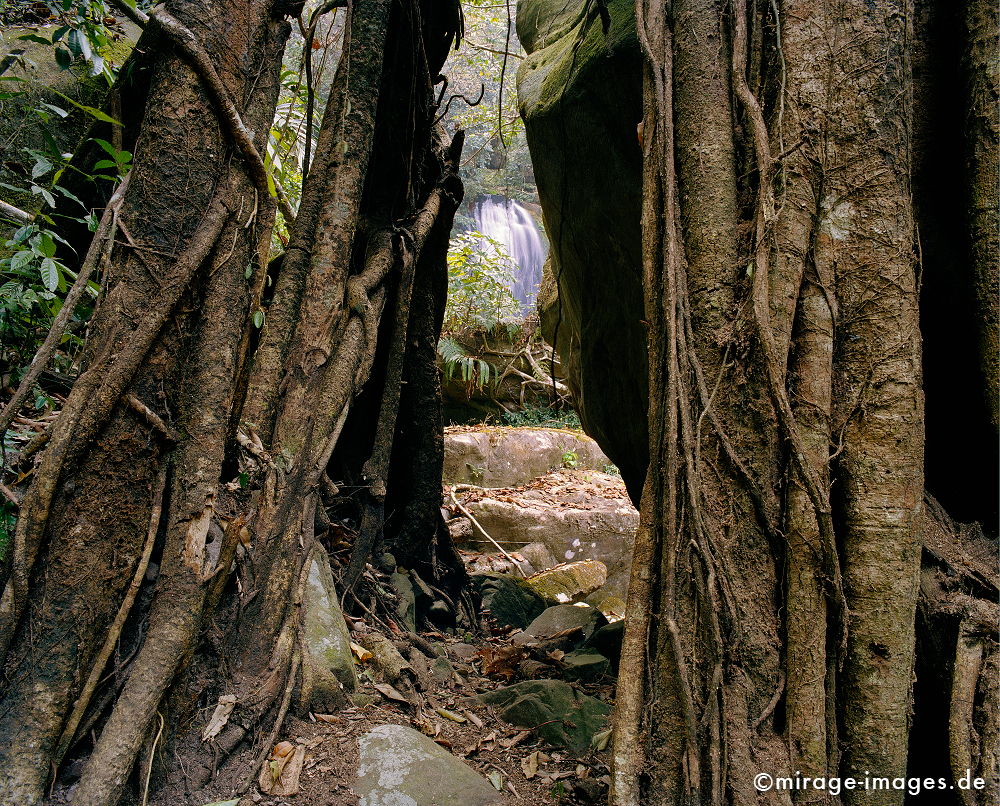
(443, 742)
(280, 774)
(601, 739)
(475, 720)
(220, 716)
(325, 718)
(360, 652)
(581, 771)
(529, 765)
(390, 693)
(450, 715)
(224, 802)
(496, 779)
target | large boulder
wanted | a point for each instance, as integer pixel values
(578, 515)
(580, 95)
(558, 713)
(401, 767)
(508, 599)
(508, 457)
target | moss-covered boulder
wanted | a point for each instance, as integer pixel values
(559, 713)
(579, 92)
(508, 599)
(568, 582)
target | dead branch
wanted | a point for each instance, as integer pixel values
(479, 526)
(16, 213)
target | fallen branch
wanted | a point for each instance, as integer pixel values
(16, 213)
(479, 526)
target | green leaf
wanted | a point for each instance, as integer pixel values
(258, 319)
(49, 271)
(21, 259)
(46, 245)
(105, 164)
(64, 58)
(41, 167)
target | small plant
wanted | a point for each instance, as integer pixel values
(612, 470)
(480, 276)
(543, 417)
(474, 372)
(570, 459)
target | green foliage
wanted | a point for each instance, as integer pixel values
(543, 417)
(570, 459)
(480, 275)
(458, 364)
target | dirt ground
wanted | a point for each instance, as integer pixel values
(527, 771)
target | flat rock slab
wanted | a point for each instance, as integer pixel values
(576, 514)
(401, 767)
(508, 457)
(560, 618)
(557, 712)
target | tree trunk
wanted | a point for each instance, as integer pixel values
(179, 400)
(770, 625)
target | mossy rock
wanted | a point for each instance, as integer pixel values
(509, 599)
(558, 713)
(569, 581)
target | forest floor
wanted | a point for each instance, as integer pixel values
(523, 768)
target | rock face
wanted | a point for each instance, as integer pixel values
(328, 645)
(580, 95)
(559, 713)
(578, 515)
(401, 767)
(508, 457)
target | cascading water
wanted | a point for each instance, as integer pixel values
(508, 223)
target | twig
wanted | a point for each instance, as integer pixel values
(152, 755)
(479, 526)
(8, 493)
(286, 698)
(153, 419)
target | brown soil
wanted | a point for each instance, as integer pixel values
(484, 741)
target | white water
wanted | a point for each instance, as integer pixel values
(507, 222)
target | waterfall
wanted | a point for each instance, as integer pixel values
(508, 223)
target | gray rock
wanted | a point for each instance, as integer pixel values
(509, 600)
(401, 767)
(508, 457)
(557, 712)
(562, 617)
(577, 515)
(585, 666)
(328, 656)
(442, 671)
(538, 555)
(608, 641)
